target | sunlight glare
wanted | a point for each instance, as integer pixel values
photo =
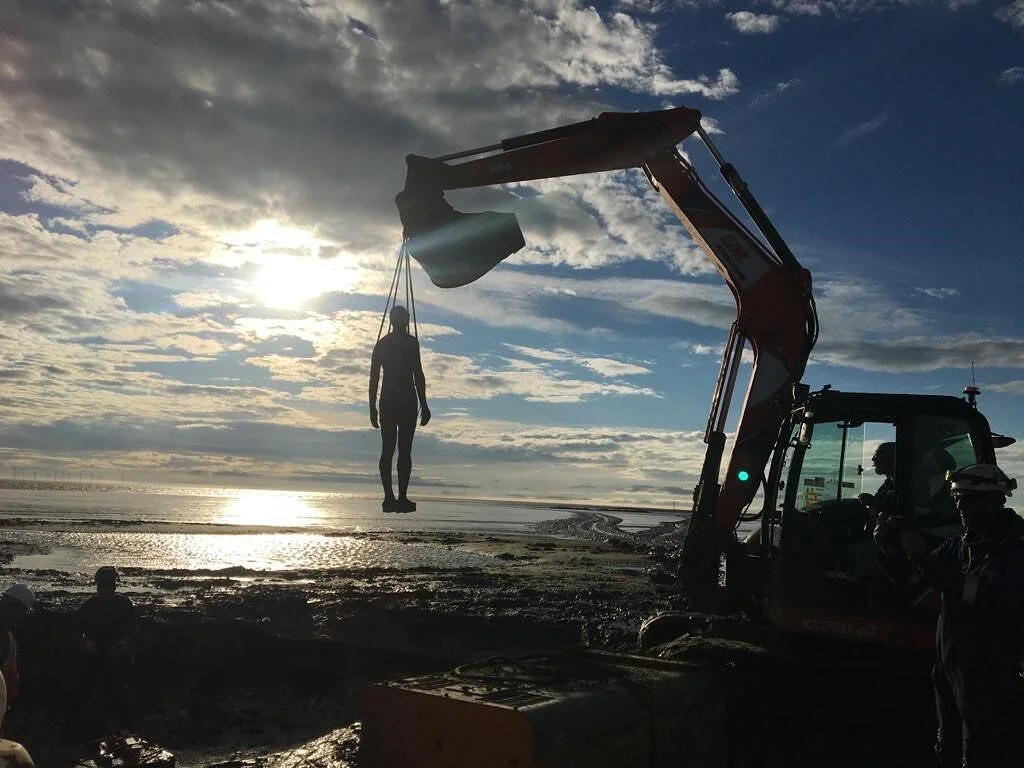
(288, 282)
(256, 507)
(291, 269)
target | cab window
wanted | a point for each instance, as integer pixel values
(941, 443)
(830, 469)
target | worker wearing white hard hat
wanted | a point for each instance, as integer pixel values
(980, 637)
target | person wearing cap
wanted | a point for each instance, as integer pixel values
(107, 622)
(980, 634)
(16, 603)
(403, 389)
(882, 501)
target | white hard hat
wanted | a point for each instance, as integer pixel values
(980, 479)
(23, 594)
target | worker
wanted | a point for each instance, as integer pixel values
(884, 499)
(398, 353)
(107, 622)
(16, 603)
(12, 754)
(980, 636)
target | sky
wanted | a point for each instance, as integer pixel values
(198, 231)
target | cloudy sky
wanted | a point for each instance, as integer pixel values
(198, 231)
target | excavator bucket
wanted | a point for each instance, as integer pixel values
(453, 248)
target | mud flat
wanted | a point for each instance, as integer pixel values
(238, 665)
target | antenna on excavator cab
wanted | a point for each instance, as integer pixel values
(971, 392)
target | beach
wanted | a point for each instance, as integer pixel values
(235, 660)
(250, 658)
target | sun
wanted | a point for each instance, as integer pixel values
(290, 269)
(290, 282)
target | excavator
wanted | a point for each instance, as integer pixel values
(810, 567)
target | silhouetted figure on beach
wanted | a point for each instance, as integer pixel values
(404, 387)
(107, 622)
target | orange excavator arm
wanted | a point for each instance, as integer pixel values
(775, 307)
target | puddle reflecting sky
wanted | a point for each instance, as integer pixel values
(84, 552)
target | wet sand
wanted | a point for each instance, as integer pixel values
(237, 665)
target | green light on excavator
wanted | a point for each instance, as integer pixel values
(743, 475)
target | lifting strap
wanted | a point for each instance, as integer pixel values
(402, 269)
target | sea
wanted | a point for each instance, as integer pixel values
(194, 529)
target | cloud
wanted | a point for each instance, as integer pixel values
(23, 297)
(754, 23)
(1013, 75)
(860, 131)
(850, 306)
(96, 98)
(939, 293)
(606, 367)
(718, 88)
(94, 102)
(711, 126)
(1012, 14)
(846, 8)
(921, 353)
(1010, 387)
(801, 7)
(774, 92)
(593, 221)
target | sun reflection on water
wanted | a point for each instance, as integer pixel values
(84, 551)
(258, 507)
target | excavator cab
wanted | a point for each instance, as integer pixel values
(816, 568)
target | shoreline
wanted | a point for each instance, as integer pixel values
(127, 487)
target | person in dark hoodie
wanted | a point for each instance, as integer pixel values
(980, 636)
(107, 623)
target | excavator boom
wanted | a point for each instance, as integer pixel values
(609, 142)
(775, 308)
